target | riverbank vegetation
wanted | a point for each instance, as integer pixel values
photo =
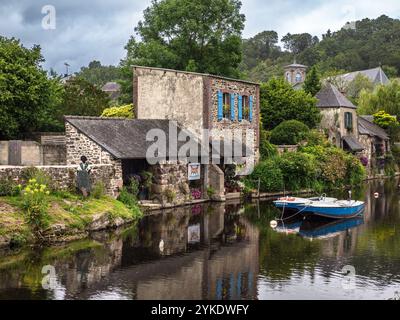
(316, 165)
(36, 213)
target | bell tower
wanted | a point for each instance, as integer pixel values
(295, 73)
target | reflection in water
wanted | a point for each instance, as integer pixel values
(223, 251)
(188, 253)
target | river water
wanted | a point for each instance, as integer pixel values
(223, 251)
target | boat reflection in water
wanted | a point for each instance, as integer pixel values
(311, 228)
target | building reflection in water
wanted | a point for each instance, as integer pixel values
(205, 254)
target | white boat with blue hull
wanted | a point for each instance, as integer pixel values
(295, 203)
(322, 206)
(337, 210)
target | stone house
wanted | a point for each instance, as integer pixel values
(339, 118)
(211, 107)
(198, 101)
(123, 144)
(375, 140)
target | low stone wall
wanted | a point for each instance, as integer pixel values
(64, 177)
(170, 177)
(216, 180)
(287, 148)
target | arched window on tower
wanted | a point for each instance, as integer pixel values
(298, 77)
(288, 77)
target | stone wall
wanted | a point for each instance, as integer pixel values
(216, 180)
(64, 177)
(218, 128)
(34, 153)
(172, 177)
(333, 122)
(166, 94)
(78, 144)
(287, 148)
(3, 153)
(54, 155)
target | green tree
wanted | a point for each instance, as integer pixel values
(99, 75)
(202, 36)
(261, 47)
(289, 132)
(312, 84)
(280, 102)
(384, 120)
(297, 43)
(81, 98)
(354, 88)
(25, 90)
(383, 97)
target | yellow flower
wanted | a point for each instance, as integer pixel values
(47, 192)
(28, 189)
(42, 186)
(36, 190)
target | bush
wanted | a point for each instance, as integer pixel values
(267, 149)
(299, 170)
(355, 172)
(8, 188)
(35, 203)
(128, 199)
(289, 133)
(269, 174)
(98, 190)
(40, 176)
(119, 112)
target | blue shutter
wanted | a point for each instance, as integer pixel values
(232, 106)
(220, 106)
(240, 108)
(251, 108)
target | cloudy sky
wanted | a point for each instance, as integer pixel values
(99, 29)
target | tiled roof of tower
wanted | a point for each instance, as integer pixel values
(330, 97)
(295, 65)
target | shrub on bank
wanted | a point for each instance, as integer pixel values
(289, 133)
(316, 167)
(269, 175)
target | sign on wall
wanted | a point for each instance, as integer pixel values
(194, 171)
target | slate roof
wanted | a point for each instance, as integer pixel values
(353, 144)
(111, 87)
(295, 65)
(122, 138)
(376, 75)
(366, 126)
(330, 97)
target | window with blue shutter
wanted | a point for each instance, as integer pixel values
(220, 106)
(232, 106)
(240, 108)
(251, 109)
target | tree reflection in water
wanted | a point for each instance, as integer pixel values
(222, 251)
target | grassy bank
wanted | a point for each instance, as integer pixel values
(68, 217)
